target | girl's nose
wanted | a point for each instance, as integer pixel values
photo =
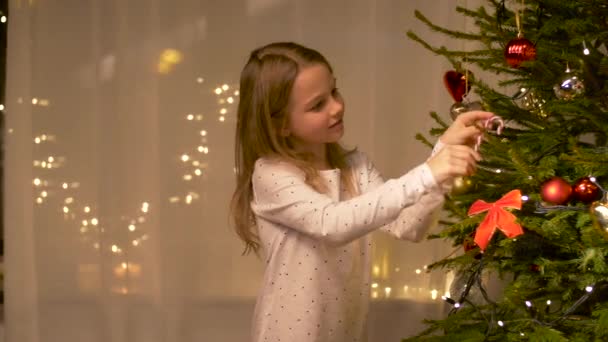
(337, 107)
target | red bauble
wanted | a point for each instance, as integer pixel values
(456, 84)
(519, 50)
(556, 191)
(584, 190)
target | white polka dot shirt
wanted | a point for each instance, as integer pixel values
(317, 246)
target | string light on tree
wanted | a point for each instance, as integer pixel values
(585, 49)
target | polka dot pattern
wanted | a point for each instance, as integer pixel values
(317, 247)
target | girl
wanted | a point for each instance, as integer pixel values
(310, 205)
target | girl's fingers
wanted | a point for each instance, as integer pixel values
(470, 118)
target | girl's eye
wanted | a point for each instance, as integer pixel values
(318, 106)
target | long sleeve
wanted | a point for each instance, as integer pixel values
(413, 222)
(282, 196)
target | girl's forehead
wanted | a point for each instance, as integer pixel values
(310, 78)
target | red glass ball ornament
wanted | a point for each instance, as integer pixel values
(584, 190)
(556, 191)
(519, 50)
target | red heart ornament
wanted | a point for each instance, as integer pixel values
(456, 83)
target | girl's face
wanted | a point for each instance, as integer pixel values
(316, 109)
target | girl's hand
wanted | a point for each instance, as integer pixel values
(466, 128)
(453, 161)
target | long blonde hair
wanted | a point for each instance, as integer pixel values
(265, 88)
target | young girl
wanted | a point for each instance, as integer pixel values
(309, 204)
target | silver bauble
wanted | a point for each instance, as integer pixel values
(463, 107)
(570, 86)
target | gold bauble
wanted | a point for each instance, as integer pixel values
(599, 213)
(462, 185)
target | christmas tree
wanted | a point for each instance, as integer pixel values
(535, 213)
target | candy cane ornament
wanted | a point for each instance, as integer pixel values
(488, 127)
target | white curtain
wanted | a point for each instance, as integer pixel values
(119, 158)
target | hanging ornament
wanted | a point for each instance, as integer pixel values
(457, 84)
(585, 190)
(462, 185)
(556, 191)
(570, 86)
(519, 49)
(463, 107)
(528, 99)
(495, 125)
(599, 213)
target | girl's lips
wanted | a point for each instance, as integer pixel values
(339, 122)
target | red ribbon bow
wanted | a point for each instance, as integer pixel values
(497, 217)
